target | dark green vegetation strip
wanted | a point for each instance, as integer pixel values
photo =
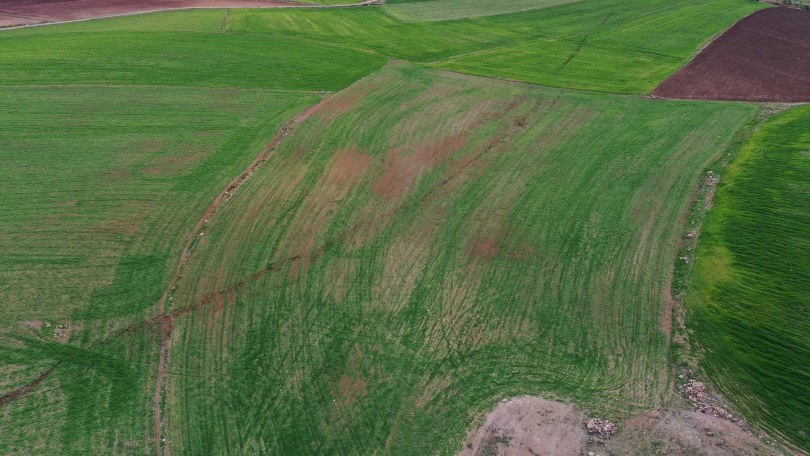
(749, 300)
(426, 243)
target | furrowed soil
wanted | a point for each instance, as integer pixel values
(764, 57)
(426, 243)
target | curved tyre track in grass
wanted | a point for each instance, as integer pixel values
(165, 319)
(254, 338)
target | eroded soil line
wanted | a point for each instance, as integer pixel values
(166, 319)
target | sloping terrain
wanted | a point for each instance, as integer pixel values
(629, 57)
(96, 232)
(379, 282)
(764, 57)
(608, 46)
(100, 187)
(179, 59)
(752, 278)
(241, 231)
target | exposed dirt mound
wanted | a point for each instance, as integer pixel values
(69, 10)
(764, 57)
(532, 426)
(529, 426)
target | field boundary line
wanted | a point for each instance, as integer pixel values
(166, 319)
(482, 51)
(569, 38)
(533, 8)
(162, 318)
(629, 19)
(302, 5)
(153, 86)
(707, 44)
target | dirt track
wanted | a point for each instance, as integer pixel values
(764, 57)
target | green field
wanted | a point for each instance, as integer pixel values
(608, 46)
(379, 283)
(449, 10)
(422, 245)
(630, 56)
(185, 59)
(100, 187)
(749, 298)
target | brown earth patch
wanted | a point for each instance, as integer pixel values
(347, 166)
(11, 21)
(532, 426)
(528, 426)
(350, 389)
(763, 57)
(687, 433)
(404, 164)
(485, 248)
(69, 10)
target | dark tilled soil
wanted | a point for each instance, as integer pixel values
(764, 57)
(68, 10)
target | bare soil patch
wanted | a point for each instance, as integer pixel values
(71, 10)
(530, 426)
(11, 21)
(764, 57)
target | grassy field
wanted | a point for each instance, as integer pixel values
(130, 171)
(609, 46)
(630, 56)
(421, 246)
(751, 284)
(186, 59)
(448, 10)
(379, 283)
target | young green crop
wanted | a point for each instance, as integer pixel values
(426, 243)
(449, 10)
(629, 56)
(180, 59)
(609, 46)
(749, 300)
(100, 187)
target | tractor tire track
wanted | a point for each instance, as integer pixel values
(164, 319)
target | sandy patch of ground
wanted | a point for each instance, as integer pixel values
(11, 21)
(531, 426)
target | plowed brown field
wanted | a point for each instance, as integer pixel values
(764, 57)
(69, 10)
